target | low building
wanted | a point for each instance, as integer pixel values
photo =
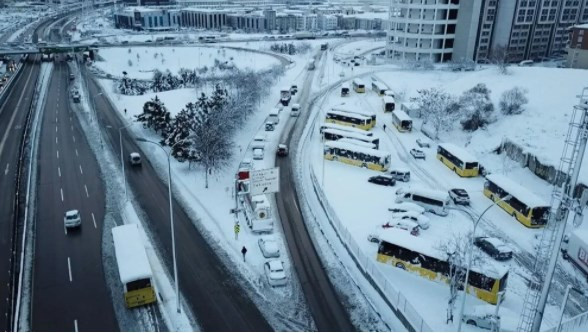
(142, 18)
(578, 47)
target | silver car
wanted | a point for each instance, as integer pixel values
(72, 219)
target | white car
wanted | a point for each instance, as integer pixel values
(459, 196)
(417, 154)
(275, 273)
(406, 207)
(72, 219)
(418, 218)
(135, 158)
(269, 247)
(482, 317)
(400, 174)
(258, 154)
(423, 143)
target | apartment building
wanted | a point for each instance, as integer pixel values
(577, 53)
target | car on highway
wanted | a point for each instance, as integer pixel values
(135, 159)
(293, 89)
(459, 196)
(72, 219)
(269, 126)
(269, 247)
(282, 150)
(417, 154)
(400, 174)
(494, 247)
(275, 273)
(382, 180)
(423, 143)
(258, 154)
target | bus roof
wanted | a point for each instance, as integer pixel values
(358, 81)
(356, 148)
(429, 248)
(358, 142)
(349, 114)
(389, 99)
(366, 113)
(522, 194)
(355, 135)
(379, 84)
(433, 194)
(345, 85)
(346, 129)
(459, 152)
(130, 254)
(401, 115)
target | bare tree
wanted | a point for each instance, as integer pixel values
(500, 57)
(512, 101)
(436, 106)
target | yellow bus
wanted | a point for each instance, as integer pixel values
(358, 86)
(413, 254)
(349, 119)
(358, 156)
(401, 121)
(335, 135)
(523, 205)
(365, 113)
(458, 159)
(133, 266)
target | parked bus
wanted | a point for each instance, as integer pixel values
(133, 266)
(344, 90)
(344, 128)
(334, 135)
(389, 103)
(433, 201)
(358, 86)
(349, 119)
(364, 113)
(356, 155)
(358, 143)
(419, 256)
(379, 88)
(458, 159)
(401, 121)
(525, 206)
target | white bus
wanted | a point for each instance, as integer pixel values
(389, 103)
(401, 121)
(358, 143)
(334, 135)
(432, 200)
(344, 128)
(364, 113)
(133, 266)
(379, 88)
(358, 86)
(356, 155)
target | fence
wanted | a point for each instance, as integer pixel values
(578, 323)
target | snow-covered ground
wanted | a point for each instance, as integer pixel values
(361, 213)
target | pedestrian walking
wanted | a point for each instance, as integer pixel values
(244, 251)
(126, 114)
(384, 127)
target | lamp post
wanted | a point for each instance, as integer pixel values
(564, 302)
(122, 162)
(470, 246)
(171, 213)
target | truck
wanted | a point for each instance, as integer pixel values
(274, 116)
(285, 96)
(310, 65)
(575, 248)
(256, 209)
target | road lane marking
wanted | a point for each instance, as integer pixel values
(69, 268)
(87, 194)
(94, 220)
(74, 138)
(55, 128)
(58, 154)
(55, 140)
(6, 170)
(82, 172)
(70, 119)
(61, 194)
(59, 171)
(77, 152)
(76, 325)
(71, 127)
(56, 120)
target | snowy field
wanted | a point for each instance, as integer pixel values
(141, 62)
(362, 214)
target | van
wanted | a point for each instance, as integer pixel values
(258, 154)
(575, 248)
(344, 90)
(400, 174)
(525, 63)
(295, 110)
(433, 201)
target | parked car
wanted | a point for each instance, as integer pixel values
(418, 218)
(258, 154)
(459, 196)
(404, 207)
(72, 219)
(494, 247)
(400, 174)
(269, 126)
(407, 225)
(274, 271)
(481, 319)
(423, 143)
(269, 247)
(382, 180)
(417, 154)
(135, 159)
(282, 150)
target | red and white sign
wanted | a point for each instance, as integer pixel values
(583, 256)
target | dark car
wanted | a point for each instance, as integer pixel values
(382, 180)
(494, 247)
(459, 196)
(282, 150)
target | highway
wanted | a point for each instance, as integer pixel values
(327, 309)
(212, 291)
(69, 288)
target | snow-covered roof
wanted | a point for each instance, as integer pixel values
(366, 113)
(356, 148)
(358, 142)
(408, 206)
(346, 129)
(358, 81)
(401, 115)
(354, 135)
(389, 99)
(582, 26)
(522, 194)
(459, 152)
(130, 254)
(349, 114)
(581, 232)
(429, 193)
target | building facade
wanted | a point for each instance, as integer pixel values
(577, 52)
(141, 18)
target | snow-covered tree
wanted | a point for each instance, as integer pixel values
(156, 117)
(512, 101)
(476, 108)
(500, 56)
(436, 107)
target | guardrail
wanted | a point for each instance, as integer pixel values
(399, 304)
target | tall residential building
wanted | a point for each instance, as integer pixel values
(578, 47)
(443, 30)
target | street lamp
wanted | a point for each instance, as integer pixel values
(122, 162)
(565, 301)
(171, 213)
(470, 248)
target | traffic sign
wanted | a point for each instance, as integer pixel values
(265, 181)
